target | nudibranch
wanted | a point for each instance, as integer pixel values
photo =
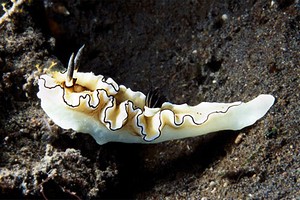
(110, 112)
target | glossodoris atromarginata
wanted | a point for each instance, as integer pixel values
(110, 112)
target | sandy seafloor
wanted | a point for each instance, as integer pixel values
(193, 51)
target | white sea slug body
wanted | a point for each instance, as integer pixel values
(100, 107)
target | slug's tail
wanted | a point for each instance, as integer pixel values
(220, 116)
(253, 110)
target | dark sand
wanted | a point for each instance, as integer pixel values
(193, 51)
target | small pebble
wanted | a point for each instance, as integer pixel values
(239, 138)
